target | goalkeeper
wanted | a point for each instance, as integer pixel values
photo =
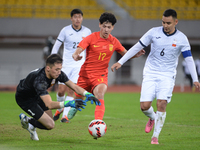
(33, 98)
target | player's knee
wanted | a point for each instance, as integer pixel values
(50, 126)
(144, 106)
(61, 92)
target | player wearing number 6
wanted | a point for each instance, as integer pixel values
(100, 47)
(159, 73)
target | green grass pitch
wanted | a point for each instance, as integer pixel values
(125, 126)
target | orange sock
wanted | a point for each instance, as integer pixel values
(99, 110)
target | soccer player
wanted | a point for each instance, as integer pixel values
(93, 75)
(159, 73)
(70, 36)
(33, 98)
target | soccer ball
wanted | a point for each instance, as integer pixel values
(97, 128)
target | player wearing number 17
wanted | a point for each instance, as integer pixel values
(100, 46)
(167, 43)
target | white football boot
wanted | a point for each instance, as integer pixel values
(25, 125)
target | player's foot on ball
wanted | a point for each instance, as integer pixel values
(154, 140)
(65, 120)
(24, 120)
(33, 133)
(149, 126)
(72, 113)
(57, 115)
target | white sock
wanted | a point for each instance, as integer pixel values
(150, 113)
(159, 122)
(66, 109)
(31, 126)
(60, 99)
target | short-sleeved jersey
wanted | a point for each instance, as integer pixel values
(71, 38)
(36, 83)
(165, 50)
(98, 54)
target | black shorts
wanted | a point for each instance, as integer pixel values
(34, 106)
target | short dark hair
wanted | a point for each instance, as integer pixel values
(107, 17)
(52, 59)
(76, 11)
(170, 12)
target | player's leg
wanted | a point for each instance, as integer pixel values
(73, 74)
(164, 94)
(36, 110)
(82, 82)
(69, 97)
(60, 98)
(146, 98)
(99, 92)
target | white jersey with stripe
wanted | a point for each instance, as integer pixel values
(71, 38)
(165, 51)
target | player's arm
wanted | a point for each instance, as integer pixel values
(56, 47)
(140, 53)
(77, 103)
(191, 66)
(49, 103)
(134, 50)
(76, 55)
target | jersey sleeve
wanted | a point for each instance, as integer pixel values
(119, 47)
(85, 42)
(146, 39)
(185, 47)
(61, 36)
(63, 77)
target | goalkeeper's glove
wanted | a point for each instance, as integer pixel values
(76, 103)
(90, 97)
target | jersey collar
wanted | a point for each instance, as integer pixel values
(75, 29)
(169, 34)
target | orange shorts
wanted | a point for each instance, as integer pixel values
(90, 83)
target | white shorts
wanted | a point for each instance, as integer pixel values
(159, 87)
(72, 73)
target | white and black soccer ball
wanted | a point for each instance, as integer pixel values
(97, 128)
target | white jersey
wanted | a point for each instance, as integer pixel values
(165, 50)
(71, 38)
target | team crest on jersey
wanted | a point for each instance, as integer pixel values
(83, 37)
(53, 82)
(110, 47)
(174, 43)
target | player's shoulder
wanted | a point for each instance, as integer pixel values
(85, 28)
(67, 28)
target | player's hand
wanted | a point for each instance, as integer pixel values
(116, 66)
(197, 85)
(90, 97)
(140, 53)
(76, 103)
(76, 57)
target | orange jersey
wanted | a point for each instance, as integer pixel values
(98, 54)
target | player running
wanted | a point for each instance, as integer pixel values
(100, 47)
(159, 73)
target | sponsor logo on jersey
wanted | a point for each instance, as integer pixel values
(96, 45)
(110, 47)
(158, 37)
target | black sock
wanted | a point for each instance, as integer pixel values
(37, 124)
